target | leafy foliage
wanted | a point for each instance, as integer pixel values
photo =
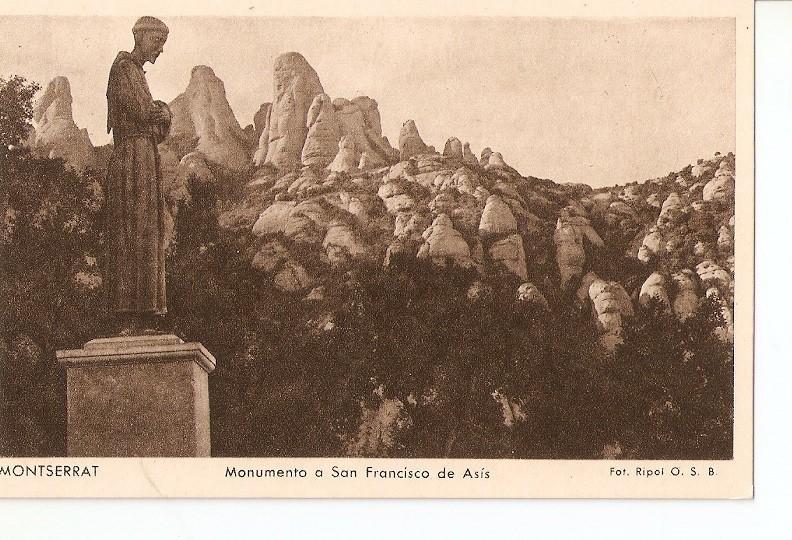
(16, 110)
(49, 245)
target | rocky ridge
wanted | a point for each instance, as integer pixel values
(326, 180)
(323, 176)
(324, 193)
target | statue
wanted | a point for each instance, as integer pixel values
(135, 211)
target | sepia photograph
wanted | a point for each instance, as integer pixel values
(447, 238)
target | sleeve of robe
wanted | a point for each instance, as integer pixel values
(131, 95)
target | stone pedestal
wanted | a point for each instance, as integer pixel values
(138, 396)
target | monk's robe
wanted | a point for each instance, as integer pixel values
(135, 208)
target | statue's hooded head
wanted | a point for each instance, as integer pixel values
(150, 36)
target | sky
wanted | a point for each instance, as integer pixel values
(599, 101)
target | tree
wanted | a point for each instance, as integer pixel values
(16, 111)
(675, 383)
(50, 287)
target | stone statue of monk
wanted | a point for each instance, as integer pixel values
(135, 273)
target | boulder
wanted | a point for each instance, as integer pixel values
(468, 156)
(346, 160)
(367, 162)
(570, 254)
(654, 200)
(630, 194)
(709, 271)
(609, 296)
(485, 155)
(398, 202)
(719, 188)
(54, 134)
(463, 180)
(371, 114)
(700, 169)
(342, 244)
(497, 218)
(410, 142)
(724, 169)
(203, 121)
(324, 133)
(652, 247)
(699, 206)
(509, 255)
(402, 169)
(410, 225)
(295, 84)
(261, 127)
(670, 211)
(610, 303)
(574, 216)
(686, 298)
(274, 218)
(495, 161)
(442, 242)
(308, 222)
(270, 256)
(453, 149)
(303, 183)
(359, 122)
(528, 293)
(582, 293)
(654, 287)
(466, 181)
(292, 277)
(674, 243)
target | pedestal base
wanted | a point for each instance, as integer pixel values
(138, 396)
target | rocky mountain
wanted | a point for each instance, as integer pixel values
(54, 132)
(294, 86)
(326, 181)
(322, 177)
(322, 202)
(204, 122)
(607, 253)
(306, 127)
(552, 238)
